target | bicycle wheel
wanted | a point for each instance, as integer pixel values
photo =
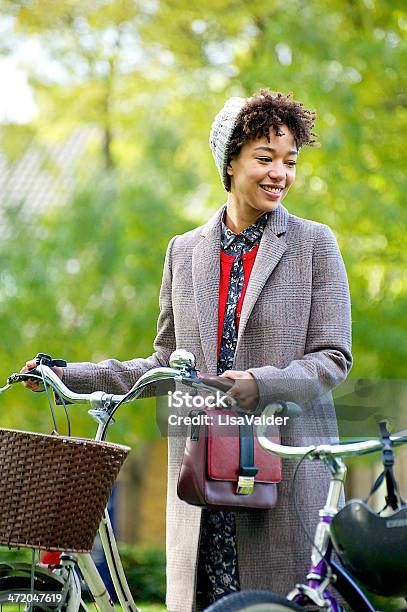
(253, 601)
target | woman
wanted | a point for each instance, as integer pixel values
(283, 334)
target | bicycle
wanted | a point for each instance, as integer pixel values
(59, 587)
(334, 532)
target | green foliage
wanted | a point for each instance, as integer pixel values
(15, 140)
(81, 279)
(145, 571)
(15, 555)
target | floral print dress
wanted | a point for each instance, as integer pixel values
(217, 564)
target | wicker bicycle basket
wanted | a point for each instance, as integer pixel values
(53, 489)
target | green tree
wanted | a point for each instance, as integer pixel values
(150, 77)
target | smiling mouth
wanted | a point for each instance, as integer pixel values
(272, 189)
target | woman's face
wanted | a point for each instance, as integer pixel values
(263, 172)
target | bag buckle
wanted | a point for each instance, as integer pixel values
(245, 485)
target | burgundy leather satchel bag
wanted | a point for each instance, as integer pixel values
(224, 466)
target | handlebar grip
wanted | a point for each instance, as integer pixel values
(224, 384)
(21, 376)
(290, 409)
(35, 372)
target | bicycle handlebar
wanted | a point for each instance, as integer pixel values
(322, 450)
(99, 398)
(43, 372)
(183, 370)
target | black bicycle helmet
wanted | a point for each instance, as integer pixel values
(373, 548)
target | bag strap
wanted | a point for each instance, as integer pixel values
(247, 469)
(393, 497)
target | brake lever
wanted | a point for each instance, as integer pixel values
(196, 382)
(45, 359)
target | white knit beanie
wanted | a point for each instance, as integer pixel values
(221, 133)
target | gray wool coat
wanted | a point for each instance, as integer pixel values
(295, 338)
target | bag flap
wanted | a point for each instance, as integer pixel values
(224, 447)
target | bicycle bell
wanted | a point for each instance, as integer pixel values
(182, 360)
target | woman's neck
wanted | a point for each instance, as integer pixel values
(238, 218)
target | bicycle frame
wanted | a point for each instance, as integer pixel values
(324, 570)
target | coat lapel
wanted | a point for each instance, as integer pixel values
(270, 251)
(206, 274)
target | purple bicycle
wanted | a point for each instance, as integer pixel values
(372, 548)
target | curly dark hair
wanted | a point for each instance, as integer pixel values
(265, 110)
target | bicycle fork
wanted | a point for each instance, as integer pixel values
(91, 577)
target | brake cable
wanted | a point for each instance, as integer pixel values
(45, 359)
(299, 515)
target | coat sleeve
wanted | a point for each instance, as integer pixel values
(113, 376)
(327, 356)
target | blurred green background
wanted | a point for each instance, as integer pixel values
(115, 160)
(107, 158)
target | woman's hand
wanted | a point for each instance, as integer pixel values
(34, 385)
(244, 390)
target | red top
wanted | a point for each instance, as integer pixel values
(226, 262)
